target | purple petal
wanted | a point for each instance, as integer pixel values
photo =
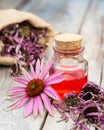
(29, 108)
(93, 114)
(85, 127)
(19, 95)
(16, 89)
(39, 105)
(56, 80)
(35, 109)
(47, 103)
(47, 69)
(32, 71)
(26, 74)
(53, 76)
(17, 48)
(19, 103)
(50, 94)
(21, 80)
(38, 67)
(73, 116)
(42, 64)
(16, 93)
(50, 89)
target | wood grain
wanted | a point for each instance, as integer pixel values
(76, 27)
(64, 15)
(5, 4)
(102, 53)
(92, 35)
(76, 16)
(14, 119)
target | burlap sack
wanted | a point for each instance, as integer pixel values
(12, 16)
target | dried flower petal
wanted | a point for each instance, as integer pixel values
(85, 108)
(21, 41)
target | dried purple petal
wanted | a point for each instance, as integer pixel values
(90, 87)
(71, 99)
(61, 107)
(21, 40)
(85, 108)
(90, 91)
(15, 69)
(91, 113)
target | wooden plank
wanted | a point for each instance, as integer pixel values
(92, 33)
(64, 15)
(52, 122)
(5, 4)
(22, 3)
(70, 26)
(35, 6)
(14, 119)
(102, 55)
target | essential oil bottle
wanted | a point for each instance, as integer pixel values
(68, 58)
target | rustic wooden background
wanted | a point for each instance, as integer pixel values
(77, 16)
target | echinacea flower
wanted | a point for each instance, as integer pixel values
(35, 89)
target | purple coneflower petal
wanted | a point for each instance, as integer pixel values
(53, 76)
(42, 64)
(56, 80)
(19, 103)
(12, 93)
(21, 80)
(48, 93)
(50, 89)
(35, 108)
(26, 74)
(93, 114)
(38, 67)
(32, 72)
(47, 69)
(16, 89)
(39, 104)
(47, 103)
(17, 96)
(29, 108)
(17, 93)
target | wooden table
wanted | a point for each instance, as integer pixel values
(77, 16)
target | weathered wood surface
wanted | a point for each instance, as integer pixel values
(77, 16)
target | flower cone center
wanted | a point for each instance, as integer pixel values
(34, 87)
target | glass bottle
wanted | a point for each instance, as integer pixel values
(68, 58)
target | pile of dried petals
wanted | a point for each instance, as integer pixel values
(22, 41)
(85, 109)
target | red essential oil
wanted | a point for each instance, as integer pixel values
(73, 83)
(68, 58)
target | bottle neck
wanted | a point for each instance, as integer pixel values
(74, 54)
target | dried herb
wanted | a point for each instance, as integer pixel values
(85, 109)
(22, 40)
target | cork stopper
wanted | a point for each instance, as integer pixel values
(68, 42)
